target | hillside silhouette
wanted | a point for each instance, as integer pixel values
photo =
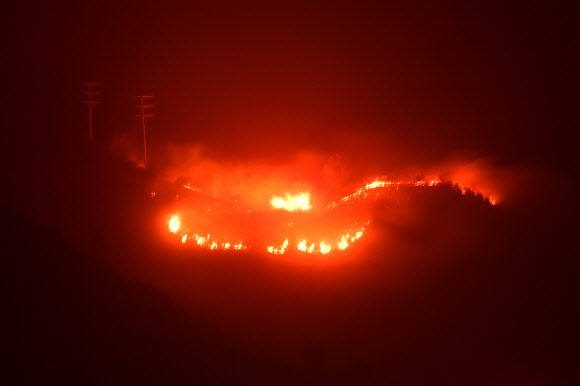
(71, 319)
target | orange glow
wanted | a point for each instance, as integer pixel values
(301, 202)
(174, 224)
(239, 247)
(343, 243)
(188, 186)
(279, 251)
(298, 202)
(324, 249)
(204, 241)
(365, 190)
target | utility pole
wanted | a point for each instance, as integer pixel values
(145, 113)
(91, 93)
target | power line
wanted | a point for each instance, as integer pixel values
(91, 94)
(145, 107)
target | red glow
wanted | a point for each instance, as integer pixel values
(292, 203)
(324, 239)
(174, 224)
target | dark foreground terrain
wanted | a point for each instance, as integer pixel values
(468, 294)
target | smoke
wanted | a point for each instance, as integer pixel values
(425, 254)
(125, 146)
(252, 179)
(327, 176)
(253, 182)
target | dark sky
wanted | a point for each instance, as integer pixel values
(259, 77)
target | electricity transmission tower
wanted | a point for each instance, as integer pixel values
(145, 107)
(90, 90)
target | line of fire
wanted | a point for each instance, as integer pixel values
(290, 222)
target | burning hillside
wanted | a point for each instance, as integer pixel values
(311, 203)
(292, 223)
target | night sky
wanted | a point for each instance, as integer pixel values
(445, 291)
(482, 77)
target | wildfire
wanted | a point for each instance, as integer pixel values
(174, 224)
(324, 249)
(343, 243)
(207, 241)
(301, 202)
(302, 247)
(189, 187)
(298, 202)
(364, 191)
(464, 190)
(280, 250)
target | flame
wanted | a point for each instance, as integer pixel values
(464, 190)
(298, 202)
(301, 202)
(203, 241)
(239, 247)
(303, 245)
(279, 251)
(189, 187)
(343, 243)
(365, 190)
(324, 249)
(174, 224)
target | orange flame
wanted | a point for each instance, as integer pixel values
(301, 202)
(324, 249)
(343, 243)
(279, 251)
(174, 224)
(298, 202)
(203, 241)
